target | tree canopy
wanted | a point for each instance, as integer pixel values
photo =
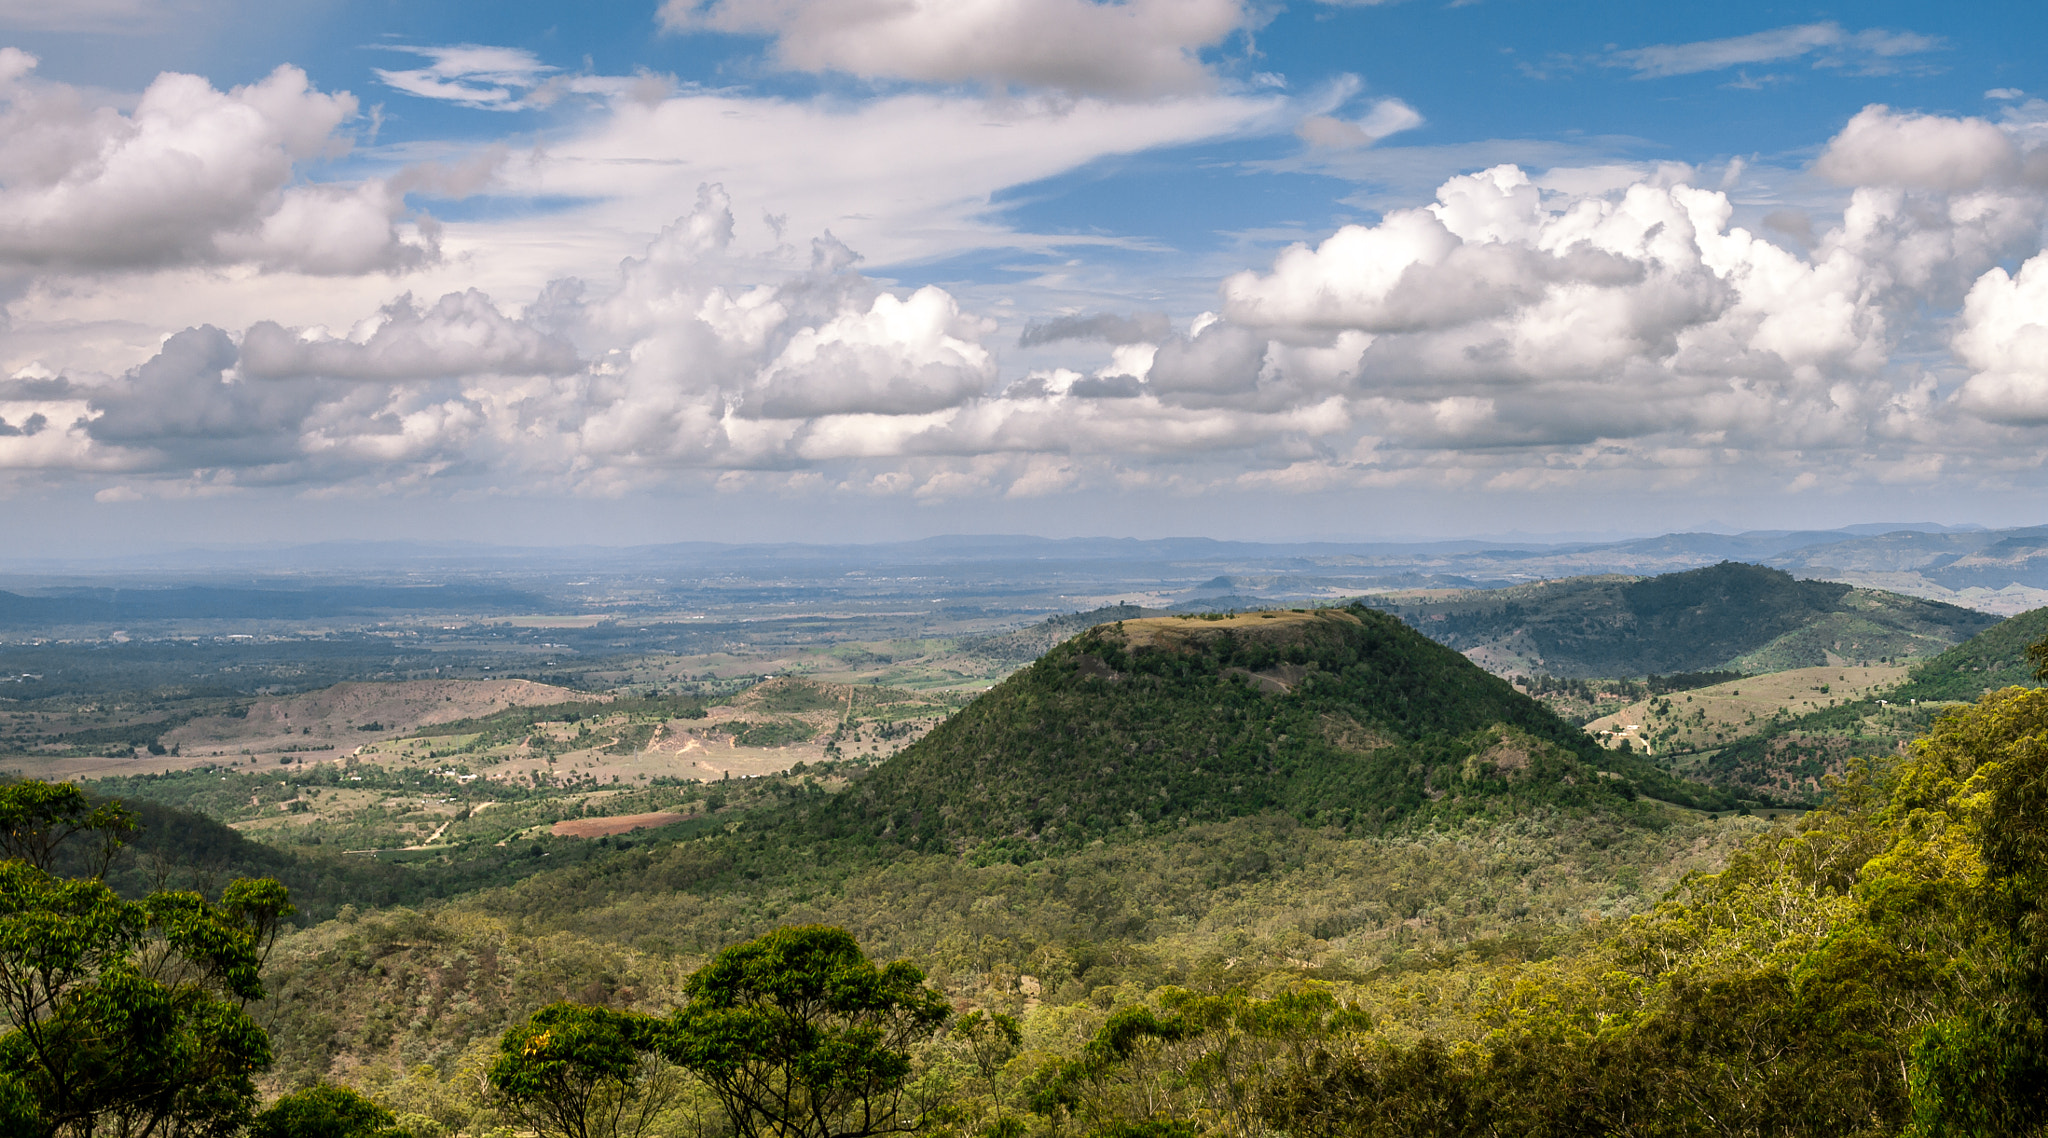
(122, 1016)
(800, 1036)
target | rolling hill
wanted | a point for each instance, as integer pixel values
(1322, 795)
(1726, 617)
(1994, 658)
(1790, 753)
(1339, 716)
(1317, 794)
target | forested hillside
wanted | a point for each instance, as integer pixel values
(1295, 872)
(1872, 969)
(1731, 616)
(1341, 716)
(1993, 659)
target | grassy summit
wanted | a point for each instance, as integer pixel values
(1335, 716)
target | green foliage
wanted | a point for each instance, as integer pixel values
(1874, 970)
(325, 1111)
(1374, 726)
(19, 1112)
(1999, 657)
(1149, 1128)
(1380, 1090)
(515, 724)
(790, 696)
(38, 819)
(125, 1016)
(178, 843)
(1727, 616)
(990, 1041)
(583, 1072)
(1794, 751)
(1187, 1055)
(770, 733)
(1349, 885)
(1688, 681)
(800, 1036)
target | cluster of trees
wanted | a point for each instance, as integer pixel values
(794, 1035)
(132, 1017)
(1882, 968)
(1878, 970)
(123, 1016)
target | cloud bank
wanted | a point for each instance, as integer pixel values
(1519, 329)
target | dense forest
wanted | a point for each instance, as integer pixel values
(1297, 873)
(1336, 716)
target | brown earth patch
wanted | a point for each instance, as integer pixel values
(403, 706)
(1193, 634)
(1276, 680)
(617, 824)
(1510, 754)
(1348, 734)
(1095, 667)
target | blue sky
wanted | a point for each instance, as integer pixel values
(766, 268)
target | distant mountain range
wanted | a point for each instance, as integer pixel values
(1999, 571)
(2004, 571)
(104, 606)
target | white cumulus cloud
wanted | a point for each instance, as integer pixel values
(1516, 329)
(192, 175)
(1503, 315)
(462, 334)
(2003, 337)
(898, 357)
(1135, 48)
(1881, 147)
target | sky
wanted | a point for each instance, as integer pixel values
(876, 269)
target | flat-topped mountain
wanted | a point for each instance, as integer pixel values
(1726, 617)
(1343, 716)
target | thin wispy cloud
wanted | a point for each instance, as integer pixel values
(491, 78)
(502, 78)
(1823, 45)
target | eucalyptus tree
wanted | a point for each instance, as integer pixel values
(120, 1016)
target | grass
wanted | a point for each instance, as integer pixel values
(1710, 717)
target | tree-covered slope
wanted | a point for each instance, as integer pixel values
(1336, 715)
(1726, 616)
(1791, 754)
(1993, 659)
